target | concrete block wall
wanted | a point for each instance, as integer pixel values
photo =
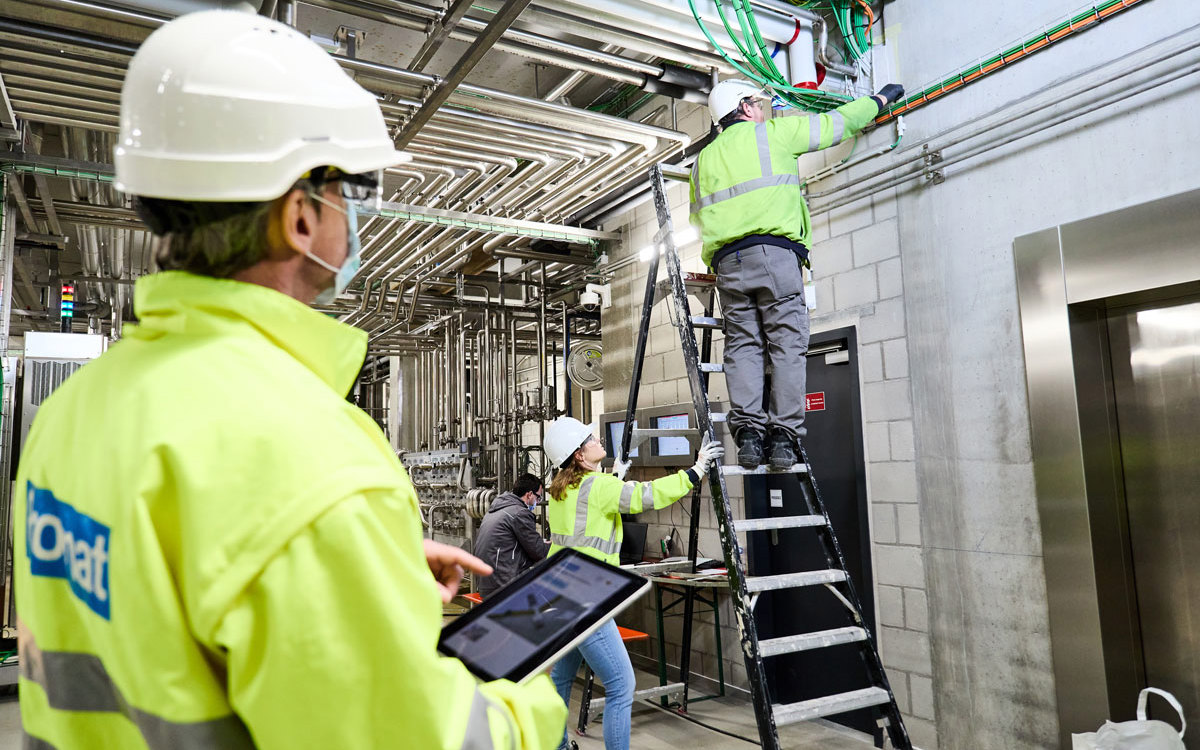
(858, 277)
(984, 595)
(925, 273)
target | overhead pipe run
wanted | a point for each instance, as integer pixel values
(674, 17)
(174, 8)
(566, 155)
(538, 47)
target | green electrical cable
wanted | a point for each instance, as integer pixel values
(758, 38)
(1002, 56)
(1036, 43)
(757, 65)
(746, 55)
(635, 106)
(863, 32)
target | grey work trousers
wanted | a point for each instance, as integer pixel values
(762, 301)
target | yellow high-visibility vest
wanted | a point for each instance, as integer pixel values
(747, 180)
(588, 517)
(214, 549)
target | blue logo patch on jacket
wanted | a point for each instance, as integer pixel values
(61, 542)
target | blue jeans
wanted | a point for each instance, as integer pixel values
(605, 653)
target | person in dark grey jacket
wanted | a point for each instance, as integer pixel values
(508, 538)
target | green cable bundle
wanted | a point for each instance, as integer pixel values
(761, 68)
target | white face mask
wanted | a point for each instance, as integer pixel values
(345, 274)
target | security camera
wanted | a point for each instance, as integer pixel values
(595, 297)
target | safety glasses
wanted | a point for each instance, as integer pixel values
(362, 188)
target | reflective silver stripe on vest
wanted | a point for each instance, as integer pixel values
(839, 128)
(79, 682)
(607, 546)
(647, 496)
(627, 497)
(764, 149)
(768, 178)
(814, 133)
(479, 730)
(581, 505)
(580, 538)
(742, 188)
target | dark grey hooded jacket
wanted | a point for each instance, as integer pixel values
(508, 540)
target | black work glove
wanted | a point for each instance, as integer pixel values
(891, 93)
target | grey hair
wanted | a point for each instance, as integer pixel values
(735, 114)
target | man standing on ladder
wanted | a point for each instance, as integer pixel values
(755, 226)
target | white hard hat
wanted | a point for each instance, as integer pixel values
(563, 438)
(225, 105)
(726, 95)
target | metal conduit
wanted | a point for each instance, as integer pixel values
(466, 157)
(1041, 103)
(1190, 68)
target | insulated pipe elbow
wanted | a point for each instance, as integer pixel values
(823, 53)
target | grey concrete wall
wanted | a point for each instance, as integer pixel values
(925, 272)
(989, 632)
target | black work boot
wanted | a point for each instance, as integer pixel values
(750, 448)
(782, 450)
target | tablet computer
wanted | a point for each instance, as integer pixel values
(529, 624)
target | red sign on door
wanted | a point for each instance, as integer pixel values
(814, 401)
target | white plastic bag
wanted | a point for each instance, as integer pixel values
(1142, 734)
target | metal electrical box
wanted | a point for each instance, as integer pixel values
(50, 358)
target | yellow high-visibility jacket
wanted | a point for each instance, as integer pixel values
(588, 518)
(747, 180)
(214, 549)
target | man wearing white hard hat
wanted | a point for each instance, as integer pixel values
(756, 233)
(217, 549)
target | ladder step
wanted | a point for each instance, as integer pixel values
(808, 641)
(781, 522)
(702, 321)
(735, 470)
(755, 584)
(646, 694)
(640, 434)
(712, 367)
(676, 172)
(791, 713)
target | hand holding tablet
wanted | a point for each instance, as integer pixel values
(529, 624)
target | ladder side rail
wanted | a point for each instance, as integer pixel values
(747, 630)
(689, 605)
(868, 650)
(639, 355)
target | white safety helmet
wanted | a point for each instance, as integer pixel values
(564, 436)
(726, 95)
(225, 105)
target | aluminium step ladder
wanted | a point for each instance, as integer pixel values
(745, 589)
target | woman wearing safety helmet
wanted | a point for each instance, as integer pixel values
(585, 514)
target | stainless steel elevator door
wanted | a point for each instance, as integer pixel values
(1156, 381)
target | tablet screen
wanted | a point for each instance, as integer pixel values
(533, 620)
